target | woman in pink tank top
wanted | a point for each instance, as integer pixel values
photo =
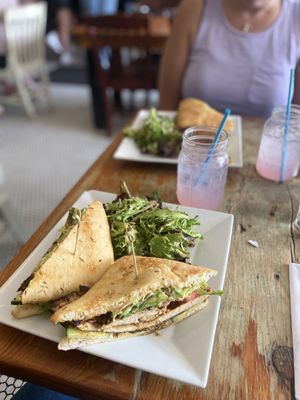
(232, 53)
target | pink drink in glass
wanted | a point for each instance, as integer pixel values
(201, 184)
(208, 194)
(270, 155)
(269, 159)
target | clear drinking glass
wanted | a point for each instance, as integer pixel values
(269, 159)
(296, 223)
(201, 182)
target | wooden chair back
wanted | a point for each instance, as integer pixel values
(119, 32)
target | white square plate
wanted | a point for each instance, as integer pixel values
(129, 151)
(182, 351)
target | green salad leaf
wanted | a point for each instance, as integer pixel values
(158, 135)
(158, 232)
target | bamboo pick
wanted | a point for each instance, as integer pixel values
(130, 238)
(77, 217)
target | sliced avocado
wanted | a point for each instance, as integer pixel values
(74, 333)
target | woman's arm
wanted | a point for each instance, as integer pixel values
(184, 30)
(296, 98)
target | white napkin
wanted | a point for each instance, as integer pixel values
(294, 273)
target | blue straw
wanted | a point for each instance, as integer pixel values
(213, 145)
(286, 126)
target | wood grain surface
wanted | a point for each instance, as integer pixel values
(252, 356)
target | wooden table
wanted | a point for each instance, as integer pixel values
(252, 356)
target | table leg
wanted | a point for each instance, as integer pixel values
(98, 105)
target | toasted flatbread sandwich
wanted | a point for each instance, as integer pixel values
(121, 304)
(193, 112)
(74, 262)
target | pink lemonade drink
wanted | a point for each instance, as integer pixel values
(269, 159)
(208, 194)
(200, 183)
(270, 155)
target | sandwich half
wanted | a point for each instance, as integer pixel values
(74, 262)
(122, 304)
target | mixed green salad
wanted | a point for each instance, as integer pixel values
(155, 230)
(157, 136)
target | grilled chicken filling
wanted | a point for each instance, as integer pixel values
(144, 318)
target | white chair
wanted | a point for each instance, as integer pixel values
(25, 28)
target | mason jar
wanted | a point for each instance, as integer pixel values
(202, 168)
(279, 157)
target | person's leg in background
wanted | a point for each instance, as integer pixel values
(65, 21)
(65, 15)
(35, 392)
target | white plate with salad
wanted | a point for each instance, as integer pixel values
(183, 351)
(128, 150)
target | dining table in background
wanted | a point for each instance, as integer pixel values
(252, 355)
